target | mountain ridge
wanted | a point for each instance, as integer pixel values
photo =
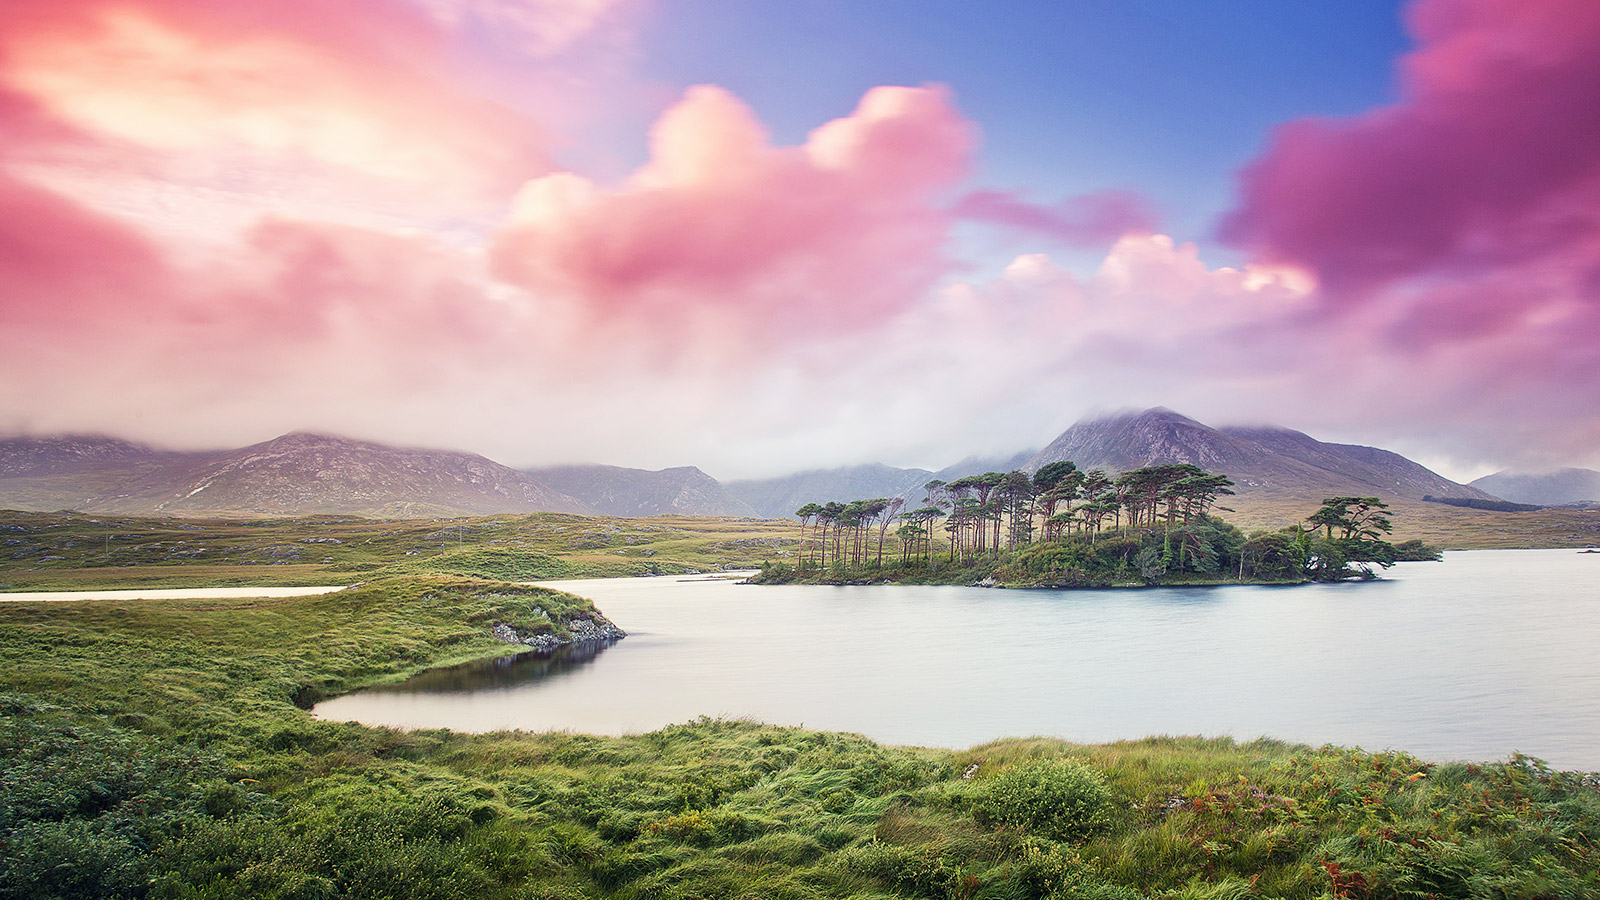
(298, 473)
(620, 491)
(1269, 460)
(1557, 487)
(780, 497)
(309, 472)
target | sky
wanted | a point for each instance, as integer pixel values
(763, 237)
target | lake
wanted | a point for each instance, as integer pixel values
(1487, 652)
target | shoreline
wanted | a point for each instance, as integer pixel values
(216, 593)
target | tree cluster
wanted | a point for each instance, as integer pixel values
(1064, 525)
(980, 517)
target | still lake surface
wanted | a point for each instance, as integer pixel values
(1488, 652)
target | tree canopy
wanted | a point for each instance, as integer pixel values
(1063, 525)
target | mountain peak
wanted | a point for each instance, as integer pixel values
(1131, 439)
(1259, 458)
(1132, 414)
(317, 439)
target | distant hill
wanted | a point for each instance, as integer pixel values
(1262, 460)
(67, 454)
(1560, 487)
(74, 471)
(1280, 475)
(978, 465)
(295, 474)
(617, 491)
(780, 497)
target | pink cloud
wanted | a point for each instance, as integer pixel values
(197, 88)
(1490, 158)
(1457, 232)
(542, 27)
(313, 283)
(845, 228)
(64, 264)
(1092, 220)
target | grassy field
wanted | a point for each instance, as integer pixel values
(161, 749)
(1447, 527)
(76, 551)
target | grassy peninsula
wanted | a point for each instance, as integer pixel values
(1065, 528)
(161, 749)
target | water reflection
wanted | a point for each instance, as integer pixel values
(502, 673)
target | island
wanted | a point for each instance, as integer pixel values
(1062, 527)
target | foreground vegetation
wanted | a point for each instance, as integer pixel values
(77, 551)
(1062, 527)
(161, 749)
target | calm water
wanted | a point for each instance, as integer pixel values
(1472, 658)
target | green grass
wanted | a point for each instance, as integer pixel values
(75, 551)
(160, 749)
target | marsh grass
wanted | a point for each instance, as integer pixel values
(159, 749)
(76, 551)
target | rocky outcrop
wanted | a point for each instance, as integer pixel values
(574, 630)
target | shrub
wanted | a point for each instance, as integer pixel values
(1059, 799)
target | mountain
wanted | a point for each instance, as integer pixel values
(617, 491)
(69, 471)
(1260, 460)
(1129, 440)
(1383, 471)
(295, 474)
(780, 497)
(979, 465)
(1280, 475)
(1557, 488)
(37, 457)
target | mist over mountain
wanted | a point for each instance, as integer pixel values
(1556, 488)
(1270, 466)
(780, 497)
(1274, 469)
(1261, 459)
(66, 454)
(977, 465)
(296, 474)
(618, 491)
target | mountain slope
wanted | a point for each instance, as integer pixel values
(73, 471)
(295, 474)
(780, 497)
(618, 491)
(1131, 440)
(66, 454)
(1260, 460)
(1384, 471)
(978, 465)
(1557, 488)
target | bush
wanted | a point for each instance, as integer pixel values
(1416, 551)
(1058, 799)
